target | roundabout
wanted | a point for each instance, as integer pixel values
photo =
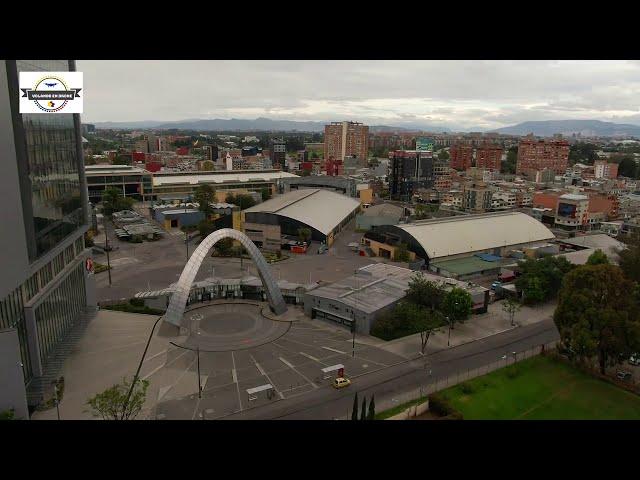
(223, 327)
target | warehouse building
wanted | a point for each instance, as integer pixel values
(444, 239)
(373, 290)
(180, 185)
(325, 213)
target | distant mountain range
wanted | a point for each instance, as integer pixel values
(545, 128)
(259, 124)
(588, 128)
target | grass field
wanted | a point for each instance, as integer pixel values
(542, 389)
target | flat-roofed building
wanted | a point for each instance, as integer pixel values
(133, 181)
(183, 184)
(373, 290)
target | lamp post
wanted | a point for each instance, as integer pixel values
(449, 339)
(55, 392)
(106, 245)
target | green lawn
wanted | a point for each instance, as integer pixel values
(542, 389)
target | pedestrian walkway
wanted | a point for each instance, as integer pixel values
(494, 322)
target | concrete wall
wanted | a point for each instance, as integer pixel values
(12, 393)
(14, 256)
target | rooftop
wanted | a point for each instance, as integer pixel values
(239, 176)
(377, 285)
(443, 237)
(113, 169)
(320, 209)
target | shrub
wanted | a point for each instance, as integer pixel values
(513, 372)
(467, 388)
(137, 302)
(441, 406)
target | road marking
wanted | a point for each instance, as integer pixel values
(152, 372)
(309, 356)
(267, 376)
(334, 350)
(154, 356)
(286, 363)
(233, 359)
(234, 375)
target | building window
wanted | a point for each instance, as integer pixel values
(12, 316)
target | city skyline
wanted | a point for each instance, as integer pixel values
(459, 95)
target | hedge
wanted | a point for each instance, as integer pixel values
(441, 406)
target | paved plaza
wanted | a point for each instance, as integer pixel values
(292, 363)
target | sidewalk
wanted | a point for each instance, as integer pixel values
(493, 322)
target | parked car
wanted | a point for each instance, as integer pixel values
(634, 359)
(496, 284)
(624, 375)
(341, 382)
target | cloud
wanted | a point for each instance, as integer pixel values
(460, 94)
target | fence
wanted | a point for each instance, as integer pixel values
(434, 384)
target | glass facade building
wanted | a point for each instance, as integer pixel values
(51, 180)
(45, 286)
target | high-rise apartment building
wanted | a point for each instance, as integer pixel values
(45, 284)
(210, 152)
(410, 170)
(534, 154)
(604, 169)
(278, 153)
(461, 156)
(346, 139)
(489, 157)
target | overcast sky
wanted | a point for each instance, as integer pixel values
(456, 94)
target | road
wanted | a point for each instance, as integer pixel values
(328, 404)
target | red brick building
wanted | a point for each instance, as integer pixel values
(534, 154)
(489, 157)
(461, 156)
(346, 139)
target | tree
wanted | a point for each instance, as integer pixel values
(401, 253)
(598, 258)
(205, 196)
(242, 200)
(114, 201)
(456, 305)
(230, 198)
(206, 228)
(425, 321)
(509, 166)
(425, 292)
(354, 411)
(207, 165)
(443, 155)
(266, 194)
(304, 234)
(223, 247)
(112, 403)
(540, 279)
(596, 316)
(372, 409)
(629, 259)
(363, 410)
(511, 307)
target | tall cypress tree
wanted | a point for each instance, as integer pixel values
(372, 409)
(354, 412)
(363, 413)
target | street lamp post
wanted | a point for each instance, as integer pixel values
(106, 246)
(449, 339)
(199, 384)
(55, 392)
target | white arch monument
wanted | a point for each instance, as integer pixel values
(175, 310)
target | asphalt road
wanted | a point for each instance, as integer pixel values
(328, 403)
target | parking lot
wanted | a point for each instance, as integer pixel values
(292, 364)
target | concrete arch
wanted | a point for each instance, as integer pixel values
(175, 310)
